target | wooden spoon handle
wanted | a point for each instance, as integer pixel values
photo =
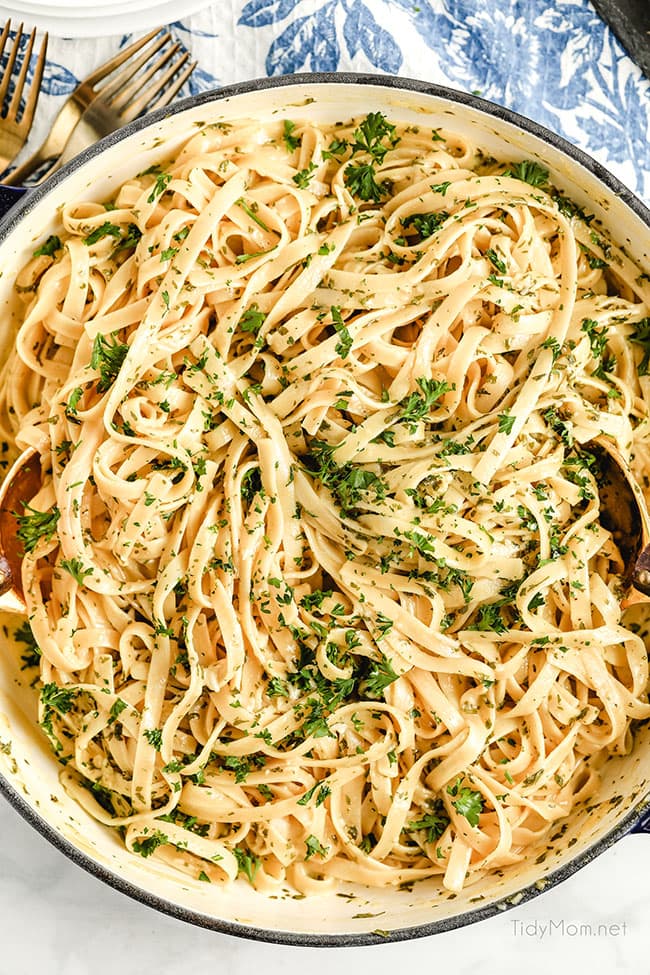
(641, 573)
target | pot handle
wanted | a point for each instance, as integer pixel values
(9, 196)
(642, 825)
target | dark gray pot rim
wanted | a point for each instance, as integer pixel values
(13, 219)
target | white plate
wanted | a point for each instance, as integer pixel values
(113, 19)
(68, 8)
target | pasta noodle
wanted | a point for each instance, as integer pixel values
(318, 576)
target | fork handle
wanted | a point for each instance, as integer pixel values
(9, 196)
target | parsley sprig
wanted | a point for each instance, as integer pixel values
(146, 845)
(381, 675)
(36, 525)
(107, 229)
(529, 172)
(107, 356)
(162, 182)
(361, 182)
(242, 766)
(418, 405)
(247, 863)
(314, 847)
(434, 822)
(369, 138)
(349, 483)
(292, 142)
(76, 569)
(425, 224)
(252, 320)
(55, 700)
(49, 248)
(344, 344)
(303, 178)
(466, 801)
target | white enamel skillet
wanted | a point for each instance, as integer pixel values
(28, 772)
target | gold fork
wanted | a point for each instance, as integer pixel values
(14, 132)
(92, 112)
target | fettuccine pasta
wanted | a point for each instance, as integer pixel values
(318, 579)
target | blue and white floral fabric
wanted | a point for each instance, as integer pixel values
(552, 60)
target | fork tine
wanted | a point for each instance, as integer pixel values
(173, 90)
(4, 36)
(12, 111)
(9, 67)
(35, 88)
(105, 69)
(155, 88)
(122, 77)
(139, 83)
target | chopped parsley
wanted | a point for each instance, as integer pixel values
(314, 847)
(277, 688)
(303, 177)
(76, 569)
(146, 845)
(244, 258)
(370, 134)
(315, 599)
(251, 484)
(107, 356)
(418, 405)
(48, 249)
(381, 675)
(36, 525)
(506, 422)
(497, 261)
(116, 709)
(349, 483)
(252, 320)
(466, 801)
(73, 403)
(361, 182)
(251, 211)
(435, 823)
(529, 172)
(292, 142)
(489, 619)
(242, 766)
(55, 700)
(107, 229)
(154, 737)
(597, 336)
(131, 238)
(247, 863)
(425, 224)
(162, 182)
(555, 347)
(344, 344)
(323, 792)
